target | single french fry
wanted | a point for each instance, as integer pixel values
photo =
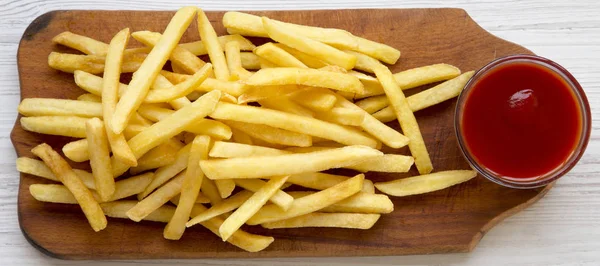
(213, 128)
(250, 207)
(198, 48)
(165, 173)
(288, 36)
(180, 57)
(180, 90)
(291, 122)
(250, 25)
(241, 137)
(234, 62)
(150, 68)
(60, 194)
(362, 202)
(173, 77)
(439, 93)
(317, 219)
(284, 104)
(98, 150)
(316, 99)
(82, 43)
(306, 59)
(342, 116)
(257, 93)
(91, 63)
(88, 97)
(156, 199)
(389, 163)
(88, 45)
(67, 176)
(272, 134)
(250, 61)
(311, 203)
(214, 49)
(368, 187)
(38, 168)
(280, 198)
(275, 54)
(373, 104)
(59, 107)
(425, 183)
(210, 190)
(225, 187)
(189, 189)
(68, 126)
(222, 207)
(380, 51)
(110, 91)
(77, 150)
(223, 149)
(286, 164)
(159, 156)
(304, 76)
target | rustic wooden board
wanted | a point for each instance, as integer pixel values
(450, 220)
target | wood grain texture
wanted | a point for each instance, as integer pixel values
(450, 220)
(559, 230)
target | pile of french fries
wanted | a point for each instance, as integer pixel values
(259, 119)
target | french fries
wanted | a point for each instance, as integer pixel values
(279, 165)
(311, 203)
(145, 75)
(110, 91)
(68, 126)
(99, 152)
(222, 207)
(180, 57)
(198, 47)
(252, 130)
(280, 198)
(59, 107)
(425, 183)
(316, 219)
(271, 52)
(65, 174)
(190, 188)
(272, 134)
(215, 51)
(295, 123)
(250, 207)
(234, 62)
(288, 36)
(223, 149)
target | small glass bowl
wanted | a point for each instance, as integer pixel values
(552, 175)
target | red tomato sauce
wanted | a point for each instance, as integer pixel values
(521, 120)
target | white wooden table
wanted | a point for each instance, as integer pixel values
(562, 229)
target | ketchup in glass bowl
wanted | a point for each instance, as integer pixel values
(522, 121)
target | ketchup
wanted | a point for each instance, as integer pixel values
(521, 120)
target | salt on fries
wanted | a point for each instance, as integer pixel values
(237, 131)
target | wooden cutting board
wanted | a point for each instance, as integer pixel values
(450, 220)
